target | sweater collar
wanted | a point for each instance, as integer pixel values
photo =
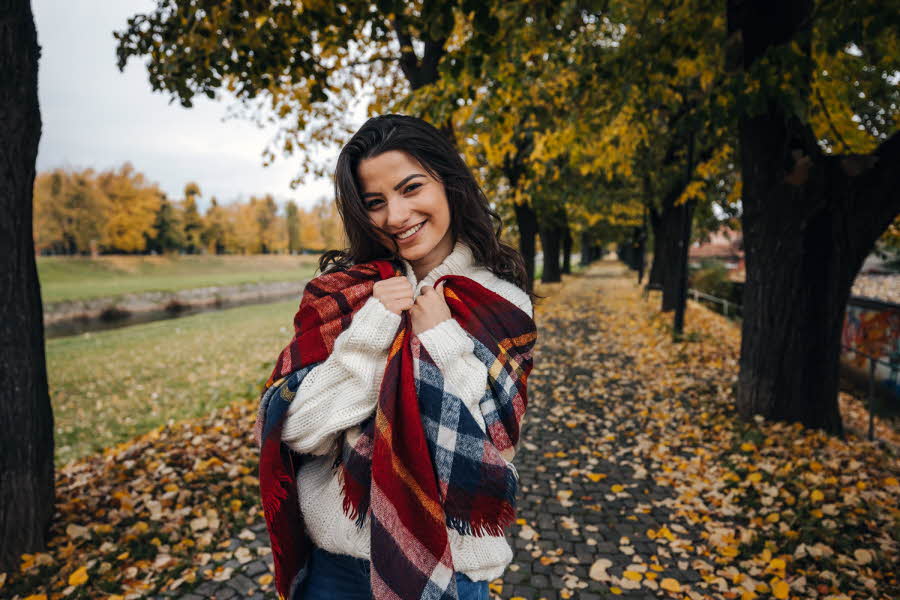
(458, 262)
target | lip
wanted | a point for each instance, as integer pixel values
(413, 236)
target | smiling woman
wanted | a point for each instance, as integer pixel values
(399, 171)
(400, 400)
(409, 206)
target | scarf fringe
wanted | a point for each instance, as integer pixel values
(352, 504)
(484, 526)
(484, 523)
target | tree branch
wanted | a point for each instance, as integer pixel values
(837, 134)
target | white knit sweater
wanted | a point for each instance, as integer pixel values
(342, 391)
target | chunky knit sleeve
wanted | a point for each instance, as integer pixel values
(342, 390)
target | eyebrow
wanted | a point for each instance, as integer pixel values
(396, 187)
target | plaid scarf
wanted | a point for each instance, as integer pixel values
(422, 463)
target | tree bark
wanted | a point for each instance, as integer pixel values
(551, 231)
(669, 250)
(809, 222)
(655, 278)
(550, 245)
(526, 221)
(567, 249)
(26, 417)
(686, 216)
(585, 255)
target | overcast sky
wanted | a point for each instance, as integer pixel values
(95, 116)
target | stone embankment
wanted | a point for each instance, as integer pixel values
(146, 302)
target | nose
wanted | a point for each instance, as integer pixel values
(397, 214)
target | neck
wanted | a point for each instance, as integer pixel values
(424, 265)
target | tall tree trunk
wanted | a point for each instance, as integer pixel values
(671, 225)
(586, 243)
(686, 215)
(26, 417)
(526, 221)
(655, 278)
(567, 249)
(809, 221)
(550, 245)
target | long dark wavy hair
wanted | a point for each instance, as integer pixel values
(470, 213)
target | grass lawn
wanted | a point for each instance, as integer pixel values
(78, 278)
(110, 386)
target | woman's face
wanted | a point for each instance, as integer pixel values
(402, 198)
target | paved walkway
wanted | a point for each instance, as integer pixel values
(586, 503)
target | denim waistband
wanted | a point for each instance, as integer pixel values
(346, 561)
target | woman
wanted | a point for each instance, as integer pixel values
(406, 197)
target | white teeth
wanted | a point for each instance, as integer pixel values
(409, 232)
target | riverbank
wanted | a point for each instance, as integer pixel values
(83, 294)
(71, 278)
(74, 317)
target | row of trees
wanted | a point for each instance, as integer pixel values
(118, 211)
(586, 115)
(581, 118)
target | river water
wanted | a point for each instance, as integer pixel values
(116, 320)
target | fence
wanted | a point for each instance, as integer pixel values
(871, 334)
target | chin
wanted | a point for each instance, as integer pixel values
(414, 253)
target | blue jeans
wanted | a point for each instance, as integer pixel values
(342, 577)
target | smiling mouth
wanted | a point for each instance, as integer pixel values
(415, 227)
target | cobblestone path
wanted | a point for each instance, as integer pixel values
(585, 500)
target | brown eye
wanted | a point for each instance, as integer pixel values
(371, 203)
(411, 187)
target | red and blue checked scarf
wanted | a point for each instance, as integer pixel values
(422, 463)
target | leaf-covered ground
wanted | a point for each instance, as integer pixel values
(637, 480)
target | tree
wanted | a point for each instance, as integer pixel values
(191, 222)
(330, 222)
(311, 230)
(301, 65)
(132, 207)
(27, 493)
(76, 211)
(168, 233)
(269, 227)
(71, 211)
(216, 223)
(292, 222)
(810, 216)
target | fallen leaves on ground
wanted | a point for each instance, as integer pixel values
(755, 509)
(152, 514)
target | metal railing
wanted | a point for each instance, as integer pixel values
(697, 294)
(893, 365)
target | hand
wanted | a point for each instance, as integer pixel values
(429, 309)
(395, 293)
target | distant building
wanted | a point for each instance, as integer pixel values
(725, 245)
